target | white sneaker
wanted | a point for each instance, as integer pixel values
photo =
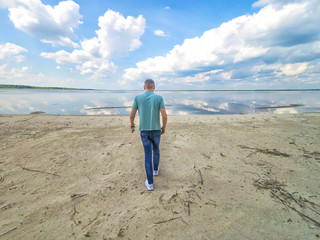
(149, 186)
(156, 172)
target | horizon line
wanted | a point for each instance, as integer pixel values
(13, 86)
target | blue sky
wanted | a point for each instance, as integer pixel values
(204, 44)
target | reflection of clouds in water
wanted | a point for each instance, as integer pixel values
(205, 107)
(18, 105)
(285, 110)
(98, 112)
(197, 104)
(25, 101)
(121, 102)
(240, 108)
(173, 112)
(5, 107)
(94, 104)
(183, 103)
(224, 106)
(126, 102)
(86, 111)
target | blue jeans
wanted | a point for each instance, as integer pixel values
(150, 141)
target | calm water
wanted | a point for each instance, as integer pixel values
(81, 102)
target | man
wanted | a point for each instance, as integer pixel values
(149, 106)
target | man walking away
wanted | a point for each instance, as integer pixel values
(149, 106)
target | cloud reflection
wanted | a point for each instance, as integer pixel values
(177, 103)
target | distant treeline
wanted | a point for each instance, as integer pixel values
(33, 87)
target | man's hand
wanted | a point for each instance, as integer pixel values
(164, 120)
(132, 127)
(132, 116)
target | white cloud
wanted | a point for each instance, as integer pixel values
(10, 49)
(26, 76)
(64, 57)
(285, 33)
(262, 3)
(116, 37)
(53, 25)
(62, 41)
(167, 8)
(20, 58)
(159, 33)
(7, 74)
(294, 69)
(97, 68)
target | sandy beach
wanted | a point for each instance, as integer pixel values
(221, 177)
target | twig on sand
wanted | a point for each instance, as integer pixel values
(305, 216)
(184, 222)
(74, 213)
(308, 210)
(33, 170)
(8, 232)
(133, 216)
(266, 151)
(206, 156)
(91, 221)
(75, 196)
(6, 206)
(200, 174)
(88, 177)
(197, 194)
(188, 206)
(171, 219)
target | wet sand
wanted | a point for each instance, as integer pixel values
(221, 177)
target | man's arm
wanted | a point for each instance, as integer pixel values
(164, 120)
(132, 116)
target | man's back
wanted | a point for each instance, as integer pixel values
(149, 105)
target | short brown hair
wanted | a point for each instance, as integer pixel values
(149, 84)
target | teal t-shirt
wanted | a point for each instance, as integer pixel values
(148, 106)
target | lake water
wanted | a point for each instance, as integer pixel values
(104, 102)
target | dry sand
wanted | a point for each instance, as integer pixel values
(221, 177)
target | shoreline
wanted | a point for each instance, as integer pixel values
(237, 176)
(40, 113)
